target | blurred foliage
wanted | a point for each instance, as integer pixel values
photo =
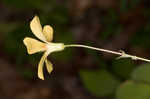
(100, 83)
(133, 90)
(111, 23)
(140, 74)
(123, 67)
(141, 38)
(126, 5)
(139, 85)
(24, 3)
(15, 37)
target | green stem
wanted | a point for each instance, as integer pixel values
(121, 54)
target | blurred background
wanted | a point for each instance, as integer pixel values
(78, 73)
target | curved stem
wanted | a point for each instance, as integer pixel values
(122, 54)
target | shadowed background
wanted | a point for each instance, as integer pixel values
(78, 73)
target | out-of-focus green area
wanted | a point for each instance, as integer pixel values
(78, 73)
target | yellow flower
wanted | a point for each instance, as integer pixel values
(33, 45)
(46, 46)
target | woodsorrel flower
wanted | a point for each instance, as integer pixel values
(46, 46)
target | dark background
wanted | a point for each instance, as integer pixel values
(78, 73)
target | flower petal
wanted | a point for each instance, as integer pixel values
(48, 32)
(40, 66)
(34, 45)
(36, 28)
(49, 66)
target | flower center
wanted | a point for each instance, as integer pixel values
(54, 47)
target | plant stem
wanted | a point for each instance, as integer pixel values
(94, 48)
(122, 54)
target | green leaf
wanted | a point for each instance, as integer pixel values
(99, 83)
(142, 73)
(123, 67)
(132, 90)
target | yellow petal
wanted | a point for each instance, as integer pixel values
(34, 45)
(49, 66)
(40, 66)
(36, 28)
(48, 32)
